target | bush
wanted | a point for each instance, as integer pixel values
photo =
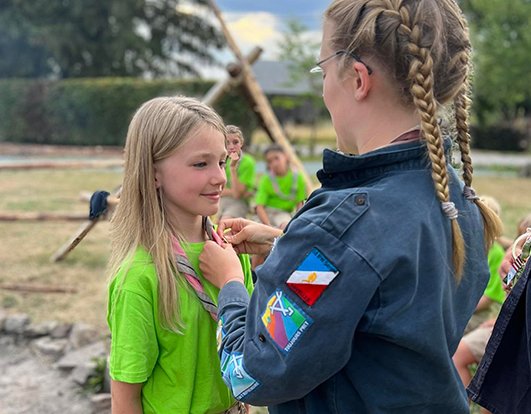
(499, 138)
(93, 111)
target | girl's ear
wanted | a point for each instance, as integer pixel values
(363, 82)
(157, 178)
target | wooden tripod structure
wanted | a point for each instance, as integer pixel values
(242, 75)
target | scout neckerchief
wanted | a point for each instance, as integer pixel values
(184, 267)
(292, 196)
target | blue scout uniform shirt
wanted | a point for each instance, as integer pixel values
(356, 309)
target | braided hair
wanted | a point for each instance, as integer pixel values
(424, 46)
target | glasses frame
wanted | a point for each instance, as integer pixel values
(318, 69)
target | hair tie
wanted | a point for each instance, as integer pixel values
(450, 210)
(469, 193)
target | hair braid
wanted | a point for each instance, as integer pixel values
(492, 224)
(422, 79)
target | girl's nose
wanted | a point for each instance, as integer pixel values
(219, 177)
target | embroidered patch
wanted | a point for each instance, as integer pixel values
(284, 320)
(312, 276)
(235, 375)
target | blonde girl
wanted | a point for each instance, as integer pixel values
(162, 312)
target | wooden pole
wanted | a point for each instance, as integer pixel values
(223, 86)
(42, 216)
(263, 107)
(36, 288)
(62, 164)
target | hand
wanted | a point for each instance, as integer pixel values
(246, 236)
(488, 323)
(234, 157)
(220, 264)
(506, 266)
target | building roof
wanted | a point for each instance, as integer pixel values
(275, 79)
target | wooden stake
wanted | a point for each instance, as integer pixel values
(62, 164)
(36, 288)
(42, 216)
(263, 107)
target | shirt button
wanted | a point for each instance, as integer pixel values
(261, 338)
(359, 200)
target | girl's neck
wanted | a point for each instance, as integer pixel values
(191, 230)
(382, 134)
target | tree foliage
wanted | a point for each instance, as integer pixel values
(502, 52)
(77, 38)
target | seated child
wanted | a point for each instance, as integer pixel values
(281, 191)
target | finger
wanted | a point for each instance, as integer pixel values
(223, 225)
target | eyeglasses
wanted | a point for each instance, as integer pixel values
(318, 69)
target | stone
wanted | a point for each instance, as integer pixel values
(62, 330)
(50, 347)
(81, 335)
(16, 324)
(101, 403)
(35, 330)
(82, 356)
(81, 374)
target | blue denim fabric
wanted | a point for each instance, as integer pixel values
(380, 337)
(502, 383)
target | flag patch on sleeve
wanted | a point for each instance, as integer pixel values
(284, 320)
(312, 276)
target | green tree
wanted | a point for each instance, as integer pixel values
(502, 52)
(301, 52)
(76, 38)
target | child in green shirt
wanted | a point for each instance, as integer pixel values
(240, 170)
(162, 313)
(281, 192)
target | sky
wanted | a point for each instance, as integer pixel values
(261, 23)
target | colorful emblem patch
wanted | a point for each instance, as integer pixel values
(235, 376)
(284, 320)
(312, 276)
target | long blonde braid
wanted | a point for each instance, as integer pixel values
(492, 224)
(422, 81)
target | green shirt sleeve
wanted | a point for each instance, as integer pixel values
(494, 290)
(134, 348)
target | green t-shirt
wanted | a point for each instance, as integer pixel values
(494, 289)
(281, 196)
(181, 373)
(245, 170)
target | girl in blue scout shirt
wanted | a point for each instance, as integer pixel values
(362, 301)
(162, 313)
(281, 191)
(240, 172)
